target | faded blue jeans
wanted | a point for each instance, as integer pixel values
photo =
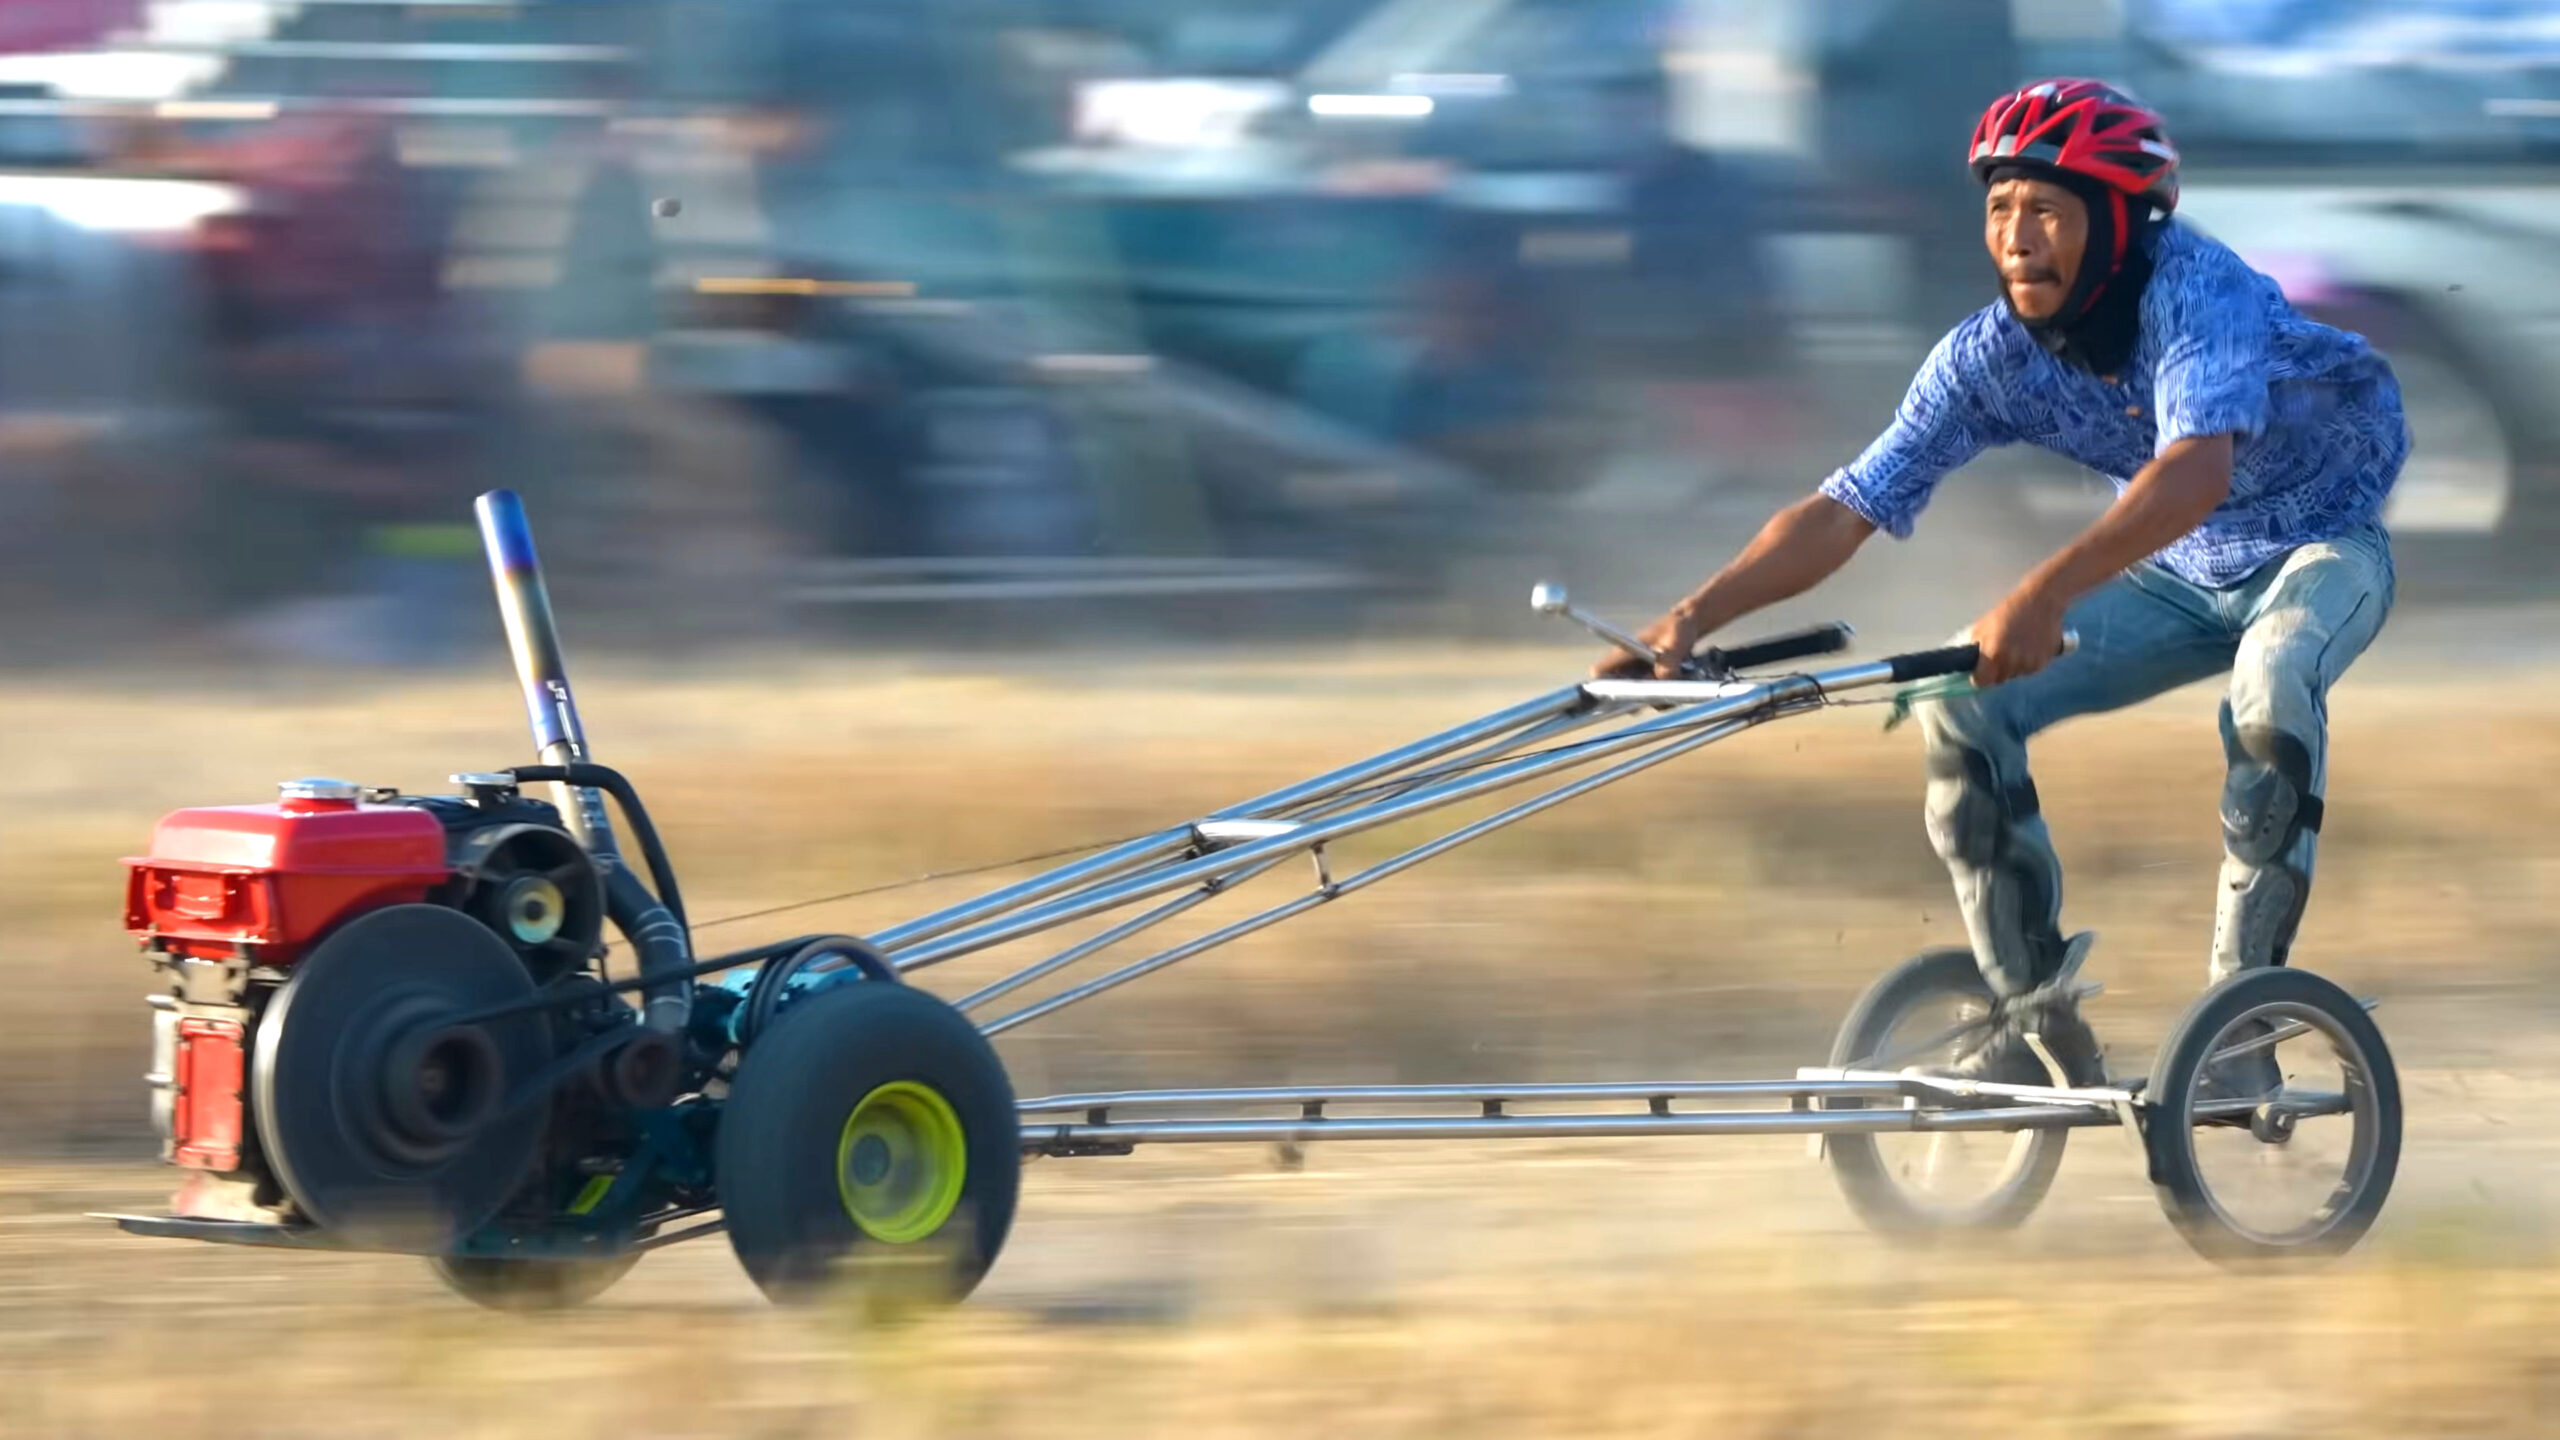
(2284, 636)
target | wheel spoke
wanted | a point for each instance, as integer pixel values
(1894, 1060)
(2292, 1029)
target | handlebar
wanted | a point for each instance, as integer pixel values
(1930, 664)
(1721, 664)
(1826, 639)
(1951, 660)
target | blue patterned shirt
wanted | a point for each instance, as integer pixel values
(2316, 412)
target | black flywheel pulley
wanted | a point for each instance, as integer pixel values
(385, 1121)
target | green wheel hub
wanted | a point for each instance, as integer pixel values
(901, 1162)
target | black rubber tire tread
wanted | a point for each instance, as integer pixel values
(779, 1129)
(529, 1285)
(1862, 1175)
(2171, 1148)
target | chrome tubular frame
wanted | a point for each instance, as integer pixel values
(1184, 841)
(1197, 862)
(1183, 867)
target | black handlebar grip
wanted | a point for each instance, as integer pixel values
(1825, 639)
(1929, 664)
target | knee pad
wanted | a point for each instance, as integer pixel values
(2266, 797)
(2002, 883)
(2255, 923)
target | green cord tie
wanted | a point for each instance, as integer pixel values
(1943, 687)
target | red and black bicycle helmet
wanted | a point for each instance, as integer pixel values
(2085, 128)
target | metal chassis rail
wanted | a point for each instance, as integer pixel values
(1893, 1104)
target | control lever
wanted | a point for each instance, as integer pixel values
(1549, 598)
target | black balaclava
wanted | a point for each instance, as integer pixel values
(2101, 317)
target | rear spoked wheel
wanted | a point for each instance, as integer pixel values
(1922, 1187)
(870, 1148)
(2272, 1118)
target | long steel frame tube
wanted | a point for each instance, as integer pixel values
(1103, 941)
(1158, 961)
(1539, 1094)
(1810, 1084)
(1105, 882)
(1483, 752)
(1111, 864)
(1665, 732)
(1552, 705)
(1474, 759)
(1672, 747)
(1524, 1127)
(1085, 877)
(1178, 839)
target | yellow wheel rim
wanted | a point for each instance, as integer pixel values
(900, 1162)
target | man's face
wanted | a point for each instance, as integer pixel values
(2036, 231)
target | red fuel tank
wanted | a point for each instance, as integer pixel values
(269, 880)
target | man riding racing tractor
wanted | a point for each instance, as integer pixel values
(2252, 451)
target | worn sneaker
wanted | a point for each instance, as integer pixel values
(2252, 1076)
(2004, 1056)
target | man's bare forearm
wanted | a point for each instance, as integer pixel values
(2170, 497)
(1801, 546)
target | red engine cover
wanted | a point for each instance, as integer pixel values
(275, 878)
(211, 1074)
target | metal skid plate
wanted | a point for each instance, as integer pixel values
(313, 1237)
(231, 1232)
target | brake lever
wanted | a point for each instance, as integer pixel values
(1548, 598)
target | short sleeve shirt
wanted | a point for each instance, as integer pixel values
(2314, 412)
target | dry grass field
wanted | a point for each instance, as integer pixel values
(1713, 918)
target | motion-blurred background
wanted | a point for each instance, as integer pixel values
(826, 319)
(957, 429)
